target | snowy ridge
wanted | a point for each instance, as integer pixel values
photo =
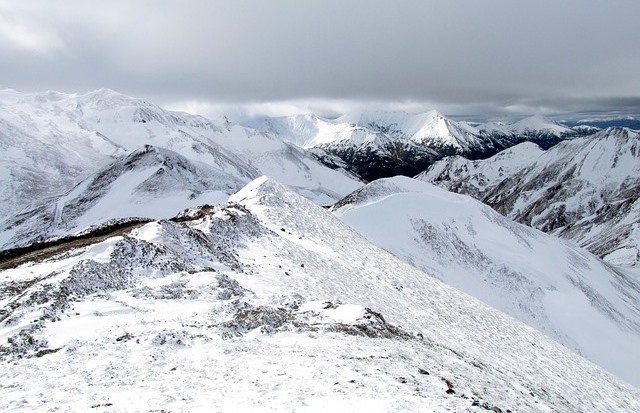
(585, 190)
(248, 307)
(431, 129)
(555, 287)
(479, 174)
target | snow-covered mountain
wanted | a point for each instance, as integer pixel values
(585, 130)
(366, 150)
(248, 307)
(41, 157)
(542, 131)
(149, 183)
(431, 129)
(51, 141)
(584, 190)
(550, 284)
(380, 144)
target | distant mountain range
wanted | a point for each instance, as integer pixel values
(602, 123)
(381, 144)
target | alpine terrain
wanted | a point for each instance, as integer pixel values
(153, 260)
(54, 145)
(247, 306)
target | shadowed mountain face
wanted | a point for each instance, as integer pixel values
(585, 190)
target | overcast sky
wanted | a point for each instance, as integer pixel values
(463, 57)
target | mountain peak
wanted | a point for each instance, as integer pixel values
(536, 123)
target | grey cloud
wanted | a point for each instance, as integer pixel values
(464, 53)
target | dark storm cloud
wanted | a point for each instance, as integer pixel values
(498, 55)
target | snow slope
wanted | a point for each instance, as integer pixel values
(555, 287)
(149, 183)
(44, 154)
(248, 307)
(584, 190)
(473, 177)
(430, 128)
(540, 127)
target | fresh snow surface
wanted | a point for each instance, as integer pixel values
(584, 190)
(555, 287)
(271, 304)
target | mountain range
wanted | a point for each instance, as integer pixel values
(382, 144)
(62, 149)
(152, 259)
